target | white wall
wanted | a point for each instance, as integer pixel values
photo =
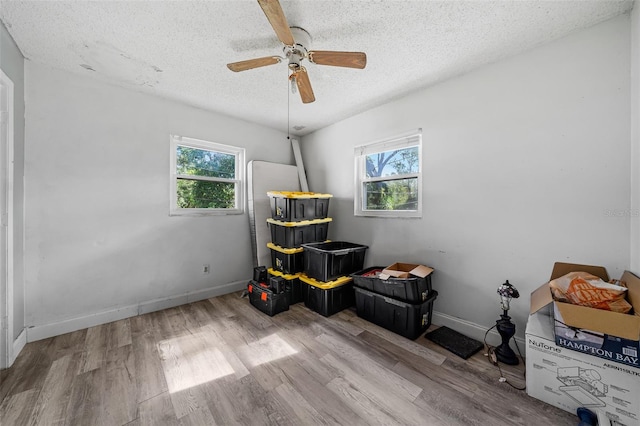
(635, 139)
(12, 63)
(522, 159)
(99, 241)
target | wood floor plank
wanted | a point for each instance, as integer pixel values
(119, 403)
(318, 394)
(418, 349)
(199, 417)
(389, 402)
(16, 409)
(366, 408)
(85, 401)
(220, 309)
(51, 406)
(237, 401)
(149, 377)
(123, 332)
(239, 368)
(182, 379)
(95, 348)
(453, 380)
(446, 403)
(157, 411)
(302, 409)
(352, 360)
(30, 369)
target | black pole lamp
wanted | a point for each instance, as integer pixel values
(504, 325)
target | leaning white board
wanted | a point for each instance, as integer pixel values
(263, 177)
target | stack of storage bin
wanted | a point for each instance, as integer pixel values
(296, 218)
(304, 265)
(326, 281)
(402, 303)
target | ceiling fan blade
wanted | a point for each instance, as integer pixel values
(253, 63)
(304, 85)
(338, 59)
(278, 21)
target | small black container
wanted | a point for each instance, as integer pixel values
(411, 290)
(328, 261)
(403, 318)
(295, 234)
(266, 300)
(327, 298)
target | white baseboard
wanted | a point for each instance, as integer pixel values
(40, 332)
(18, 345)
(474, 330)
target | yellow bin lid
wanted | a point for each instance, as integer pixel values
(302, 223)
(280, 274)
(297, 194)
(325, 285)
(285, 250)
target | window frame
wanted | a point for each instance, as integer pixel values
(238, 181)
(405, 140)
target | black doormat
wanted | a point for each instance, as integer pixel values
(455, 342)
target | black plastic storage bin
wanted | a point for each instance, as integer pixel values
(266, 300)
(292, 285)
(327, 298)
(403, 318)
(297, 206)
(286, 260)
(294, 234)
(411, 290)
(333, 259)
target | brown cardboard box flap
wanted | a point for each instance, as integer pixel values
(561, 269)
(600, 320)
(540, 298)
(633, 290)
(405, 270)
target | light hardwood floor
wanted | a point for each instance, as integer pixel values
(221, 361)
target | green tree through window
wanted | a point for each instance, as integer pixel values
(394, 193)
(194, 193)
(207, 177)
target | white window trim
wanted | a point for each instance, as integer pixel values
(239, 181)
(405, 140)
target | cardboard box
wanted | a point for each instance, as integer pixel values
(405, 270)
(606, 334)
(568, 379)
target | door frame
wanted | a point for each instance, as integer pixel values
(7, 353)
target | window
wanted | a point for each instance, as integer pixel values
(389, 177)
(206, 177)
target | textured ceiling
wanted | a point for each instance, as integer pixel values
(179, 49)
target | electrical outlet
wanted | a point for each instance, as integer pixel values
(205, 268)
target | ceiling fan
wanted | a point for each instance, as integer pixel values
(296, 41)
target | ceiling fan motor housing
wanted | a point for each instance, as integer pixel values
(298, 51)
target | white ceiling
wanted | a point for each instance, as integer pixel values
(179, 49)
